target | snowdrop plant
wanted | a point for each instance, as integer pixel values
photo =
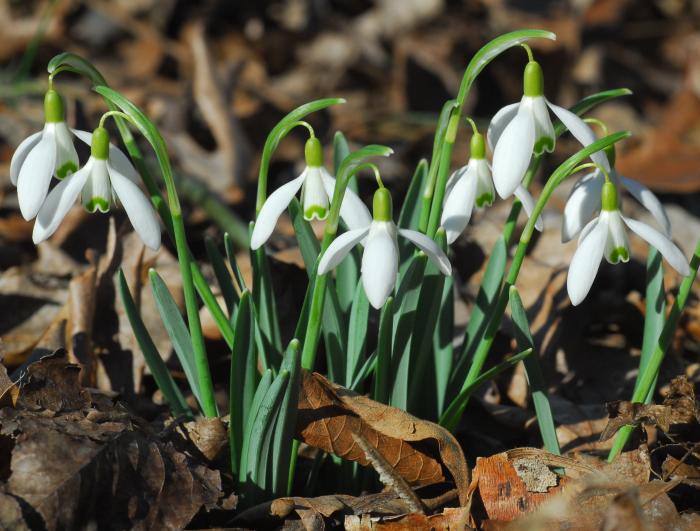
(412, 363)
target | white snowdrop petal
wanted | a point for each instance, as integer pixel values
(582, 204)
(529, 205)
(66, 155)
(585, 263)
(587, 230)
(138, 207)
(380, 263)
(339, 249)
(459, 205)
(513, 152)
(617, 238)
(59, 202)
(353, 211)
(272, 209)
(581, 132)
(499, 122)
(21, 153)
(97, 191)
(665, 246)
(35, 175)
(430, 248)
(647, 198)
(83, 136)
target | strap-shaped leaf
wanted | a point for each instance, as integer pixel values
(260, 394)
(368, 367)
(223, 277)
(533, 371)
(443, 337)
(287, 420)
(357, 334)
(410, 210)
(264, 299)
(160, 371)
(176, 328)
(231, 255)
(382, 373)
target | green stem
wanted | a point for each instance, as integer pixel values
(648, 378)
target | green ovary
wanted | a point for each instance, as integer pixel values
(68, 167)
(619, 253)
(315, 211)
(97, 203)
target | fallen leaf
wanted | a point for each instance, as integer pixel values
(417, 449)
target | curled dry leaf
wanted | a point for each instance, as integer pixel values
(419, 451)
(679, 407)
(73, 459)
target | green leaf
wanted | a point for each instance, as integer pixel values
(357, 334)
(74, 63)
(410, 210)
(453, 413)
(485, 304)
(586, 104)
(260, 394)
(231, 255)
(382, 373)
(340, 151)
(308, 244)
(222, 276)
(367, 368)
(406, 304)
(177, 330)
(264, 298)
(347, 275)
(287, 420)
(538, 388)
(243, 376)
(160, 371)
(442, 343)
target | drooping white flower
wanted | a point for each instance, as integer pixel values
(584, 201)
(107, 175)
(317, 187)
(606, 236)
(41, 156)
(380, 259)
(471, 186)
(519, 129)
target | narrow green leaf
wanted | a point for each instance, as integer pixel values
(340, 151)
(243, 376)
(357, 334)
(443, 337)
(593, 100)
(453, 413)
(160, 371)
(231, 255)
(367, 368)
(382, 373)
(264, 298)
(533, 371)
(177, 330)
(222, 276)
(410, 210)
(74, 63)
(308, 244)
(287, 420)
(347, 275)
(260, 394)
(485, 303)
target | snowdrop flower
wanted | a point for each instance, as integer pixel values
(380, 259)
(106, 176)
(606, 236)
(317, 188)
(471, 186)
(42, 155)
(519, 129)
(584, 200)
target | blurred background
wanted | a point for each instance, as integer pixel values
(217, 75)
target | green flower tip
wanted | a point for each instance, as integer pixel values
(382, 208)
(608, 197)
(477, 146)
(619, 254)
(315, 211)
(485, 199)
(533, 80)
(100, 143)
(68, 167)
(313, 152)
(97, 203)
(53, 106)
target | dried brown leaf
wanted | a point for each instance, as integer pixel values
(417, 449)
